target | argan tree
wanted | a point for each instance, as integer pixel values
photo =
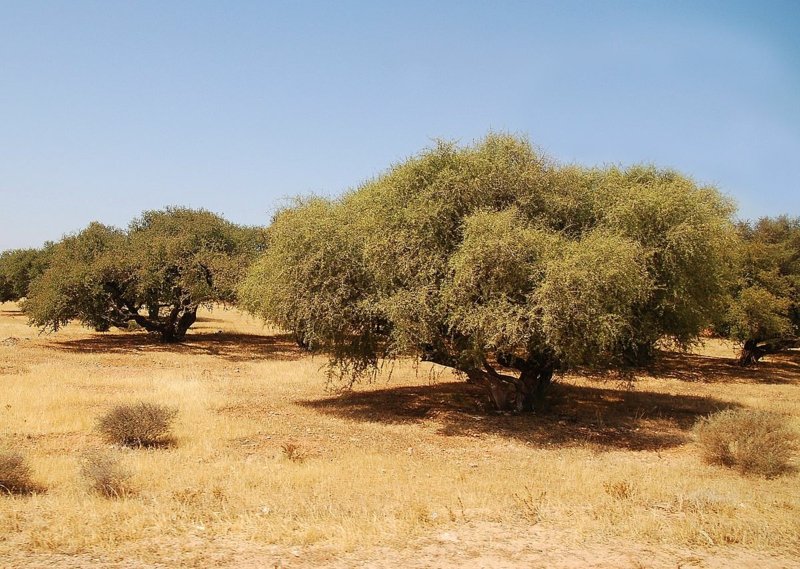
(156, 274)
(765, 312)
(495, 261)
(18, 267)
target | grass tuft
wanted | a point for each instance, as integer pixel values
(139, 425)
(16, 477)
(751, 442)
(106, 475)
(294, 452)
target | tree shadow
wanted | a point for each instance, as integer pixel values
(775, 369)
(207, 319)
(231, 346)
(570, 415)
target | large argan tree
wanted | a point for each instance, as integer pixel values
(495, 261)
(765, 310)
(156, 274)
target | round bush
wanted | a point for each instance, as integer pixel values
(15, 474)
(752, 442)
(138, 425)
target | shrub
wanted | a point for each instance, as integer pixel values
(106, 475)
(294, 452)
(752, 442)
(15, 474)
(139, 425)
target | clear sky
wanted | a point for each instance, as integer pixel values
(109, 108)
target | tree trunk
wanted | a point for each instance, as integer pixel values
(753, 350)
(515, 394)
(506, 393)
(179, 321)
(535, 382)
(300, 339)
(640, 354)
(503, 391)
(536, 374)
(750, 353)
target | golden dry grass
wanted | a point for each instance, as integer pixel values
(409, 456)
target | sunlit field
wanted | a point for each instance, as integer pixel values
(272, 466)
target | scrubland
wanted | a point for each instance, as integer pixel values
(271, 466)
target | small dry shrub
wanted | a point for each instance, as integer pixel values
(139, 425)
(106, 475)
(16, 475)
(294, 452)
(752, 442)
(620, 489)
(531, 504)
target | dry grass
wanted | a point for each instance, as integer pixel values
(16, 477)
(752, 442)
(402, 458)
(294, 452)
(139, 424)
(106, 475)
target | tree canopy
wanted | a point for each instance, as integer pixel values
(156, 273)
(494, 260)
(18, 267)
(765, 311)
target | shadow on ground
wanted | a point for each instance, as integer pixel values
(571, 415)
(234, 347)
(776, 369)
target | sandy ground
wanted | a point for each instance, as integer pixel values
(407, 472)
(470, 546)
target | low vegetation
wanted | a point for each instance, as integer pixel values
(294, 452)
(139, 424)
(393, 464)
(106, 475)
(752, 442)
(16, 476)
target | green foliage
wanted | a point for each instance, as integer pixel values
(155, 274)
(590, 298)
(461, 255)
(138, 424)
(766, 299)
(74, 285)
(752, 442)
(18, 267)
(308, 242)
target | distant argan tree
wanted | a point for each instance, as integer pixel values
(765, 312)
(18, 267)
(156, 274)
(499, 263)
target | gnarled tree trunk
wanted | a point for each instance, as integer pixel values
(510, 393)
(753, 350)
(180, 318)
(507, 393)
(750, 353)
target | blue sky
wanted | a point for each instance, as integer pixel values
(111, 108)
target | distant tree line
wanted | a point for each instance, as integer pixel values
(490, 259)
